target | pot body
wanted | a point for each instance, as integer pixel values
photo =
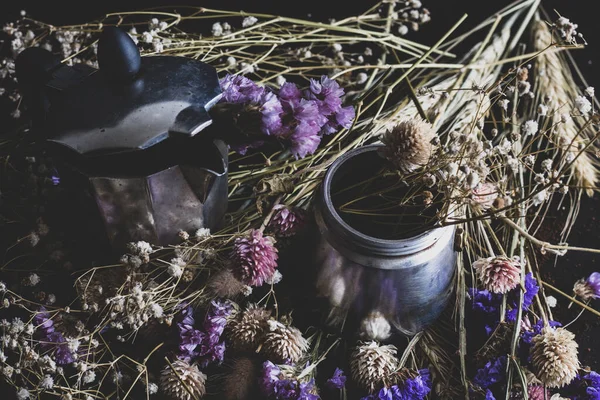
(379, 286)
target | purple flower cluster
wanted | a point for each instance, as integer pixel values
(254, 258)
(412, 389)
(50, 338)
(287, 221)
(487, 305)
(205, 345)
(276, 388)
(491, 373)
(338, 380)
(298, 117)
(584, 387)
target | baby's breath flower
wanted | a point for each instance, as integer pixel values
(217, 29)
(361, 78)
(589, 91)
(47, 382)
(202, 233)
(542, 110)
(583, 105)
(530, 128)
(23, 394)
(375, 326)
(249, 21)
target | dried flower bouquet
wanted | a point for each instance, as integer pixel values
(504, 134)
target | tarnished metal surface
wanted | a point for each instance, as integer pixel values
(408, 281)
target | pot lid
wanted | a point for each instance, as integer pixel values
(131, 102)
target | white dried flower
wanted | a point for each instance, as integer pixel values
(539, 197)
(217, 29)
(375, 326)
(567, 29)
(530, 127)
(88, 376)
(504, 104)
(23, 394)
(410, 144)
(554, 357)
(402, 29)
(147, 37)
(47, 382)
(280, 80)
(202, 233)
(337, 47)
(249, 21)
(583, 104)
(542, 110)
(551, 301)
(2, 287)
(589, 91)
(361, 78)
(275, 278)
(498, 274)
(156, 310)
(284, 343)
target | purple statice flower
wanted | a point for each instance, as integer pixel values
(271, 113)
(584, 387)
(238, 89)
(270, 375)
(205, 345)
(415, 388)
(290, 95)
(327, 93)
(493, 372)
(593, 281)
(531, 290)
(369, 397)
(52, 339)
(485, 308)
(254, 258)
(55, 180)
(489, 395)
(338, 380)
(305, 140)
(287, 221)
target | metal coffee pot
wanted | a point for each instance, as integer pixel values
(130, 136)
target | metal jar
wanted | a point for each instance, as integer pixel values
(379, 286)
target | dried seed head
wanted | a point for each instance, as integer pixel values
(284, 343)
(410, 144)
(224, 284)
(554, 357)
(371, 363)
(498, 274)
(583, 290)
(240, 381)
(248, 330)
(183, 381)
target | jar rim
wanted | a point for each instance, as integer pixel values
(387, 247)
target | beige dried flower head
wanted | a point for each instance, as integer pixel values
(498, 274)
(371, 363)
(410, 144)
(224, 284)
(248, 330)
(584, 290)
(182, 381)
(484, 195)
(240, 381)
(554, 357)
(375, 326)
(284, 343)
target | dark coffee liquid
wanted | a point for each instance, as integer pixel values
(374, 200)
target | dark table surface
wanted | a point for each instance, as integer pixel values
(562, 272)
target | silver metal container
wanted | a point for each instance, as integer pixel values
(377, 286)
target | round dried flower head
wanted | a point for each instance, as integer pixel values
(224, 284)
(410, 144)
(248, 330)
(498, 274)
(178, 381)
(284, 343)
(375, 326)
(254, 258)
(286, 221)
(240, 380)
(554, 357)
(371, 363)
(589, 288)
(484, 195)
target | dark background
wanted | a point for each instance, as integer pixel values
(562, 273)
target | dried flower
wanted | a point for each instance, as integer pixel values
(224, 284)
(409, 145)
(554, 357)
(182, 381)
(492, 372)
(538, 392)
(254, 258)
(583, 105)
(375, 326)
(371, 363)
(589, 288)
(338, 380)
(240, 380)
(498, 274)
(248, 330)
(530, 128)
(284, 343)
(286, 221)
(485, 194)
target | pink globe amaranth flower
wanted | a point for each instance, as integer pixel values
(538, 392)
(287, 221)
(254, 258)
(498, 274)
(485, 194)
